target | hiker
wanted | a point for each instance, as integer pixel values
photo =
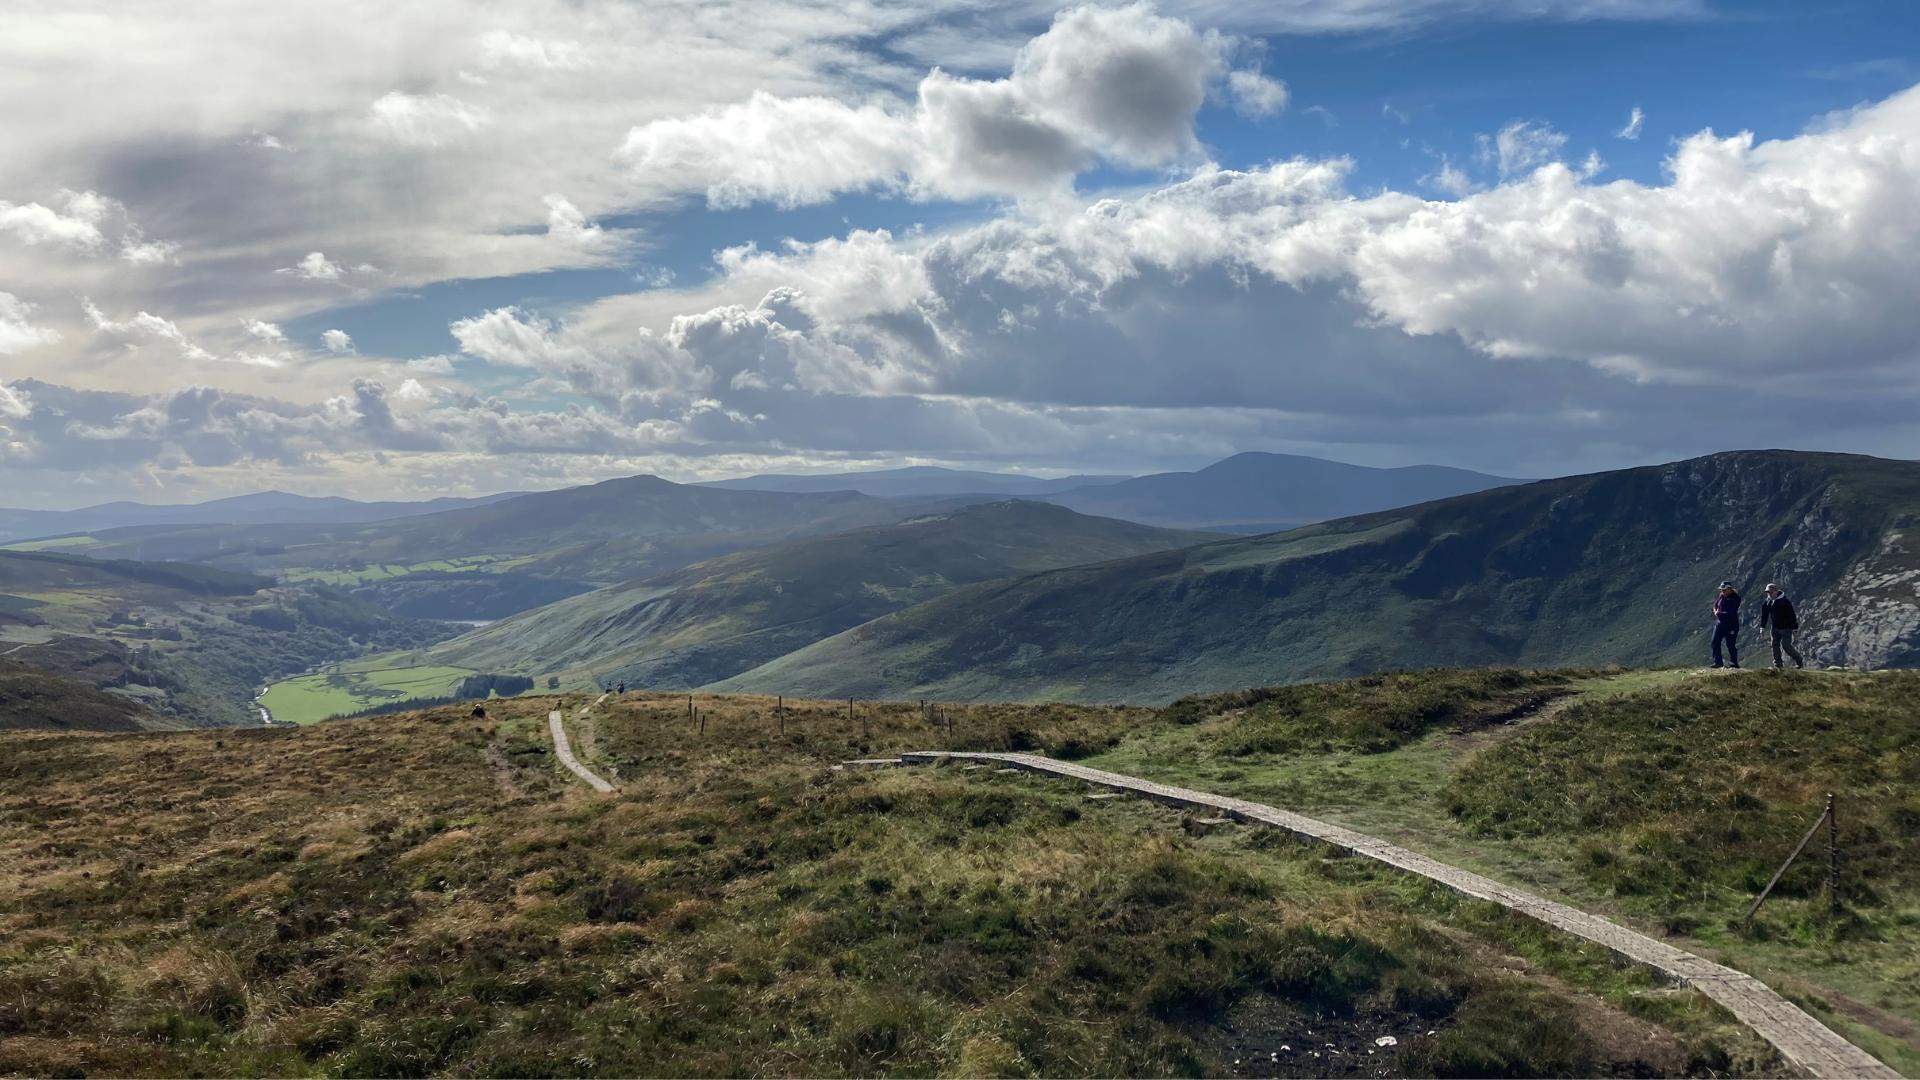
(1726, 623)
(623, 687)
(1776, 612)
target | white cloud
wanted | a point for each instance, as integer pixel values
(1449, 179)
(426, 119)
(15, 404)
(1120, 85)
(337, 341)
(506, 49)
(1256, 95)
(1635, 121)
(17, 333)
(31, 223)
(1520, 146)
(315, 266)
(265, 331)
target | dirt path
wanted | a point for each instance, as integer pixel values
(1804, 1042)
(564, 750)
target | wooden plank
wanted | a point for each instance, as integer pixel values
(1804, 1042)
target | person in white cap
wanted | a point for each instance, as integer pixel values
(1776, 612)
(1726, 623)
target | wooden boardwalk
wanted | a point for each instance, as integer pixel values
(1804, 1042)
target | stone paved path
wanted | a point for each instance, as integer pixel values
(1805, 1043)
(564, 749)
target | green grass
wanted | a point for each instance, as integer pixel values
(1661, 798)
(350, 688)
(361, 575)
(52, 543)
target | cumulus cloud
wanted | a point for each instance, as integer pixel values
(1256, 95)
(17, 333)
(1635, 121)
(315, 266)
(265, 331)
(1116, 85)
(426, 120)
(506, 49)
(84, 222)
(337, 341)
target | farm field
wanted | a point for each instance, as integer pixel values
(385, 571)
(312, 698)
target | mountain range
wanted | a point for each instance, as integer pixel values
(1610, 568)
(725, 615)
(914, 481)
(259, 508)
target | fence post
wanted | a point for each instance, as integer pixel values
(1833, 856)
(703, 720)
(1826, 817)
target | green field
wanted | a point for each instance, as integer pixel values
(311, 698)
(52, 543)
(360, 575)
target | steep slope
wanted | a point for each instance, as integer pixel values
(34, 698)
(721, 617)
(1614, 567)
(260, 508)
(1262, 492)
(190, 642)
(916, 480)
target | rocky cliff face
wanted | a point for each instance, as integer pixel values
(1871, 617)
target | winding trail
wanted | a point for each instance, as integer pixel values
(564, 749)
(1804, 1042)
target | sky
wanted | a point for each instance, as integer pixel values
(452, 247)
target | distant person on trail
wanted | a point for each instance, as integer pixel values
(623, 688)
(1776, 612)
(1726, 624)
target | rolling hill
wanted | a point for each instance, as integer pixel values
(490, 561)
(428, 894)
(259, 508)
(1614, 567)
(191, 643)
(914, 481)
(723, 616)
(1256, 492)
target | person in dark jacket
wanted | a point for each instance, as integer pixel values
(1726, 624)
(1777, 614)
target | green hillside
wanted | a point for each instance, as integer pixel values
(190, 643)
(428, 894)
(518, 553)
(1615, 567)
(1662, 799)
(721, 617)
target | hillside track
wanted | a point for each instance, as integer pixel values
(563, 749)
(1803, 1042)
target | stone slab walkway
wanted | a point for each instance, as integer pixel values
(1804, 1042)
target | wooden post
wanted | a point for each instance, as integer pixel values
(1826, 816)
(703, 721)
(780, 714)
(1833, 856)
(689, 706)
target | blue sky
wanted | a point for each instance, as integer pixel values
(430, 249)
(1394, 102)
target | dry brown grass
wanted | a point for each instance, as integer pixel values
(431, 894)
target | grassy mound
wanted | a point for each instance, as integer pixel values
(431, 894)
(1689, 799)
